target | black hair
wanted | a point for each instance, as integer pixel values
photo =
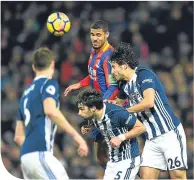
(124, 54)
(90, 97)
(100, 24)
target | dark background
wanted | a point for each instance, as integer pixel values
(160, 32)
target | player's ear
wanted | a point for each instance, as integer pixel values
(53, 64)
(107, 34)
(93, 109)
(124, 66)
(33, 68)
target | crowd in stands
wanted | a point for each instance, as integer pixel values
(160, 32)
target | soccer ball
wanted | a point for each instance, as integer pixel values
(58, 24)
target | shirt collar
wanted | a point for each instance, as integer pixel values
(38, 77)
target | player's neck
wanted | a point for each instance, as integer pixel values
(99, 115)
(129, 74)
(45, 73)
(102, 47)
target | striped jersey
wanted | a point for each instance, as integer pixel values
(99, 70)
(159, 119)
(39, 129)
(115, 121)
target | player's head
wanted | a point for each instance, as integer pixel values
(123, 59)
(99, 33)
(43, 60)
(89, 101)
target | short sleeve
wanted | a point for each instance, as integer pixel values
(127, 119)
(50, 89)
(147, 80)
(19, 115)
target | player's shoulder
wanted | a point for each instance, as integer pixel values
(28, 89)
(50, 85)
(52, 82)
(107, 53)
(43, 84)
(113, 110)
(142, 71)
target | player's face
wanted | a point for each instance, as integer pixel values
(117, 71)
(98, 38)
(85, 112)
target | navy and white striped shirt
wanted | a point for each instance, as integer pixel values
(159, 119)
(115, 121)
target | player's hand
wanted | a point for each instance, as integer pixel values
(71, 88)
(85, 130)
(82, 150)
(110, 101)
(115, 142)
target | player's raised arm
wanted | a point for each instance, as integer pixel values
(83, 83)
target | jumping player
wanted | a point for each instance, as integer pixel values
(99, 77)
(165, 147)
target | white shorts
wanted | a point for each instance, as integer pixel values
(167, 151)
(42, 165)
(126, 169)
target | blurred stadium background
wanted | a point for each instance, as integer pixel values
(161, 33)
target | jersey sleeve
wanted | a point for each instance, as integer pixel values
(147, 80)
(127, 119)
(19, 115)
(50, 89)
(85, 82)
(111, 83)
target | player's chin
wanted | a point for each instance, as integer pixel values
(95, 46)
(116, 77)
(87, 118)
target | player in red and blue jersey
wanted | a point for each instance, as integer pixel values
(99, 70)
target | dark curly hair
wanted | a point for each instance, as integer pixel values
(124, 54)
(90, 97)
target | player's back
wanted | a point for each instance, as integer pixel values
(117, 120)
(39, 129)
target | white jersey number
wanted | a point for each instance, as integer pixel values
(26, 112)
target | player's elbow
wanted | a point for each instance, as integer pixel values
(150, 104)
(49, 112)
(19, 140)
(143, 129)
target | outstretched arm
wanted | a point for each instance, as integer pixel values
(57, 117)
(83, 83)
